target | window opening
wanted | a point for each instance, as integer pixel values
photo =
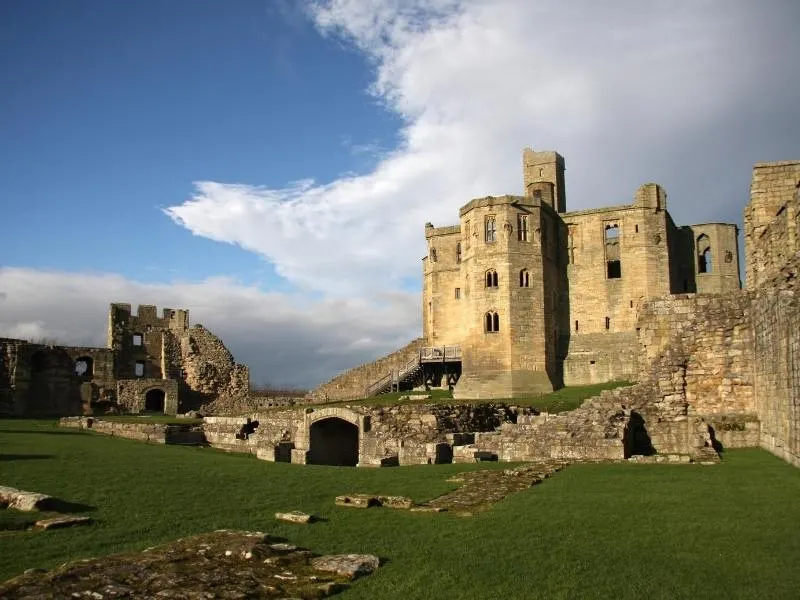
(84, 367)
(614, 268)
(137, 339)
(576, 326)
(491, 229)
(524, 279)
(703, 254)
(458, 252)
(608, 323)
(522, 228)
(458, 293)
(138, 369)
(492, 322)
(491, 278)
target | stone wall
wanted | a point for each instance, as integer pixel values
(698, 347)
(133, 394)
(776, 319)
(771, 220)
(213, 382)
(600, 357)
(352, 384)
(152, 433)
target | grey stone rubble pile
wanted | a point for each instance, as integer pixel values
(481, 489)
(234, 564)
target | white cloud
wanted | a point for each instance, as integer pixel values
(630, 92)
(285, 339)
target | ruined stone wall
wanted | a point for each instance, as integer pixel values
(721, 263)
(214, 382)
(636, 236)
(132, 394)
(699, 347)
(152, 433)
(601, 357)
(776, 320)
(352, 384)
(770, 220)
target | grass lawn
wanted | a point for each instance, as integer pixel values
(592, 531)
(567, 398)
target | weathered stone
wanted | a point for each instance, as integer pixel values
(357, 501)
(349, 565)
(396, 501)
(22, 500)
(64, 521)
(294, 516)
(227, 564)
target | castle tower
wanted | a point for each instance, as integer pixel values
(511, 274)
(543, 178)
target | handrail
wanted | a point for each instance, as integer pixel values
(425, 354)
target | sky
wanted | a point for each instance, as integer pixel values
(270, 164)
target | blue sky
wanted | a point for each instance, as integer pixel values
(270, 165)
(113, 109)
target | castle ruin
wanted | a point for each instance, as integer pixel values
(151, 364)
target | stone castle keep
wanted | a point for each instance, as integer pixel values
(537, 297)
(150, 364)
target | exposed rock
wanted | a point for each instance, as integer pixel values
(396, 501)
(349, 565)
(358, 501)
(60, 522)
(232, 564)
(294, 516)
(22, 500)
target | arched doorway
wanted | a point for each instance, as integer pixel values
(334, 441)
(154, 400)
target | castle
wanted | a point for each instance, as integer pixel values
(537, 297)
(151, 363)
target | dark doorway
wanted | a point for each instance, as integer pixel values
(334, 441)
(154, 401)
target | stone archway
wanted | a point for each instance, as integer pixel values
(154, 400)
(333, 441)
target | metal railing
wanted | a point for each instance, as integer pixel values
(425, 355)
(440, 353)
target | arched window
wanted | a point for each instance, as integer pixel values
(704, 254)
(458, 252)
(491, 278)
(492, 322)
(524, 278)
(491, 229)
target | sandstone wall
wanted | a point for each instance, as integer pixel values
(600, 357)
(771, 220)
(699, 349)
(352, 384)
(776, 317)
(153, 433)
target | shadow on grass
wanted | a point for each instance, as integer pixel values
(10, 457)
(62, 506)
(40, 432)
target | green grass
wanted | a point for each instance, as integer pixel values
(567, 398)
(592, 531)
